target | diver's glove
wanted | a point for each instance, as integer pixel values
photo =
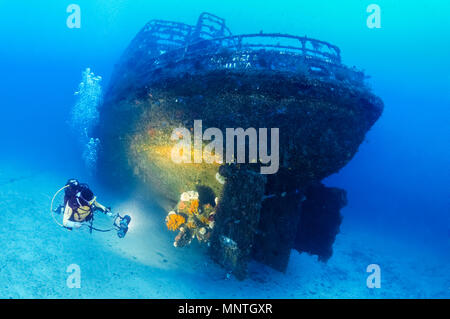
(108, 211)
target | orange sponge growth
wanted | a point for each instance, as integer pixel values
(174, 221)
(182, 206)
(193, 208)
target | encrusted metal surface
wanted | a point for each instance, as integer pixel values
(166, 49)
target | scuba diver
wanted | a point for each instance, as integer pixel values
(80, 205)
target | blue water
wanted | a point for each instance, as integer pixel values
(397, 184)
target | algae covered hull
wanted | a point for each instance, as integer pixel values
(173, 74)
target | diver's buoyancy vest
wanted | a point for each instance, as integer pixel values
(81, 209)
(82, 213)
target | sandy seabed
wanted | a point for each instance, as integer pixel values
(36, 254)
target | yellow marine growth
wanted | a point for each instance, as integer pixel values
(203, 220)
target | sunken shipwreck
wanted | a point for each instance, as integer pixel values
(172, 74)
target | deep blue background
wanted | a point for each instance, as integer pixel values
(398, 183)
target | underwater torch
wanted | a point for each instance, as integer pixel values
(123, 226)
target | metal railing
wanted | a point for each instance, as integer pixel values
(305, 46)
(167, 48)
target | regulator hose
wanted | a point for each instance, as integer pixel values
(51, 206)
